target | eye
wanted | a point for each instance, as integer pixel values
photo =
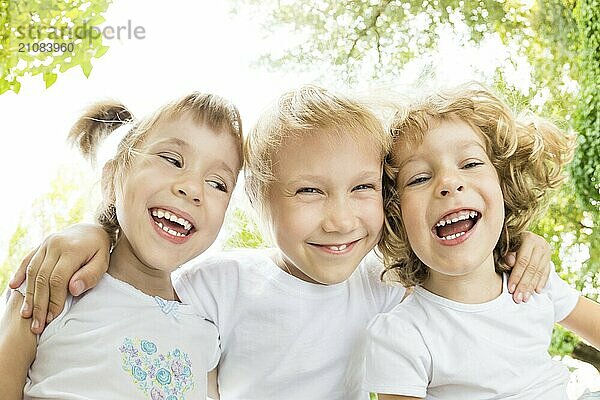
(171, 160)
(417, 180)
(364, 186)
(472, 164)
(218, 185)
(308, 190)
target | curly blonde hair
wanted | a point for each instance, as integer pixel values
(102, 118)
(528, 153)
(307, 111)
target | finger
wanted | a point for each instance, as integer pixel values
(20, 274)
(547, 261)
(521, 262)
(42, 292)
(526, 284)
(510, 258)
(58, 286)
(88, 275)
(32, 271)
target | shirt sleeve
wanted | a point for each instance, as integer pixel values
(388, 295)
(193, 289)
(564, 297)
(397, 361)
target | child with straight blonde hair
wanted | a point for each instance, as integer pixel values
(165, 193)
(468, 179)
(292, 319)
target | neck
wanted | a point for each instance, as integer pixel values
(479, 286)
(288, 267)
(127, 267)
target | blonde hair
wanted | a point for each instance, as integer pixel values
(527, 152)
(102, 118)
(307, 111)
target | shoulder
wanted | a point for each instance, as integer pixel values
(225, 262)
(405, 316)
(368, 276)
(563, 296)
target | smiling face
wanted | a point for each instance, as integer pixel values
(172, 199)
(451, 202)
(325, 204)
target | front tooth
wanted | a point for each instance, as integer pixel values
(454, 219)
(448, 221)
(181, 221)
(333, 248)
(172, 232)
(342, 247)
(173, 218)
(165, 228)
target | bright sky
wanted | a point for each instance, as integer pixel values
(189, 45)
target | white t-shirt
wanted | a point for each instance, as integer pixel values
(433, 347)
(281, 337)
(115, 342)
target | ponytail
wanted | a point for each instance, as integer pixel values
(99, 121)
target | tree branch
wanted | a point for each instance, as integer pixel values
(587, 354)
(372, 24)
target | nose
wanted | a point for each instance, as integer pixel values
(450, 185)
(340, 217)
(190, 189)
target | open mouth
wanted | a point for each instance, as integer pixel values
(456, 224)
(172, 223)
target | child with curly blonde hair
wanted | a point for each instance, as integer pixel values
(469, 177)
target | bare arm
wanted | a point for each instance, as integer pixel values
(584, 320)
(213, 385)
(17, 346)
(395, 397)
(72, 259)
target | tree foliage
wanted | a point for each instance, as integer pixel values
(45, 37)
(586, 165)
(244, 232)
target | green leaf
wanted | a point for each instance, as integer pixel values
(49, 78)
(86, 67)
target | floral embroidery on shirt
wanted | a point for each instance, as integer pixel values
(161, 376)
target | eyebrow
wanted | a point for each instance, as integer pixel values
(320, 178)
(182, 143)
(461, 146)
(175, 141)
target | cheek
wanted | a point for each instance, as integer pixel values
(409, 209)
(372, 212)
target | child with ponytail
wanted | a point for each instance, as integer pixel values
(468, 178)
(165, 193)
